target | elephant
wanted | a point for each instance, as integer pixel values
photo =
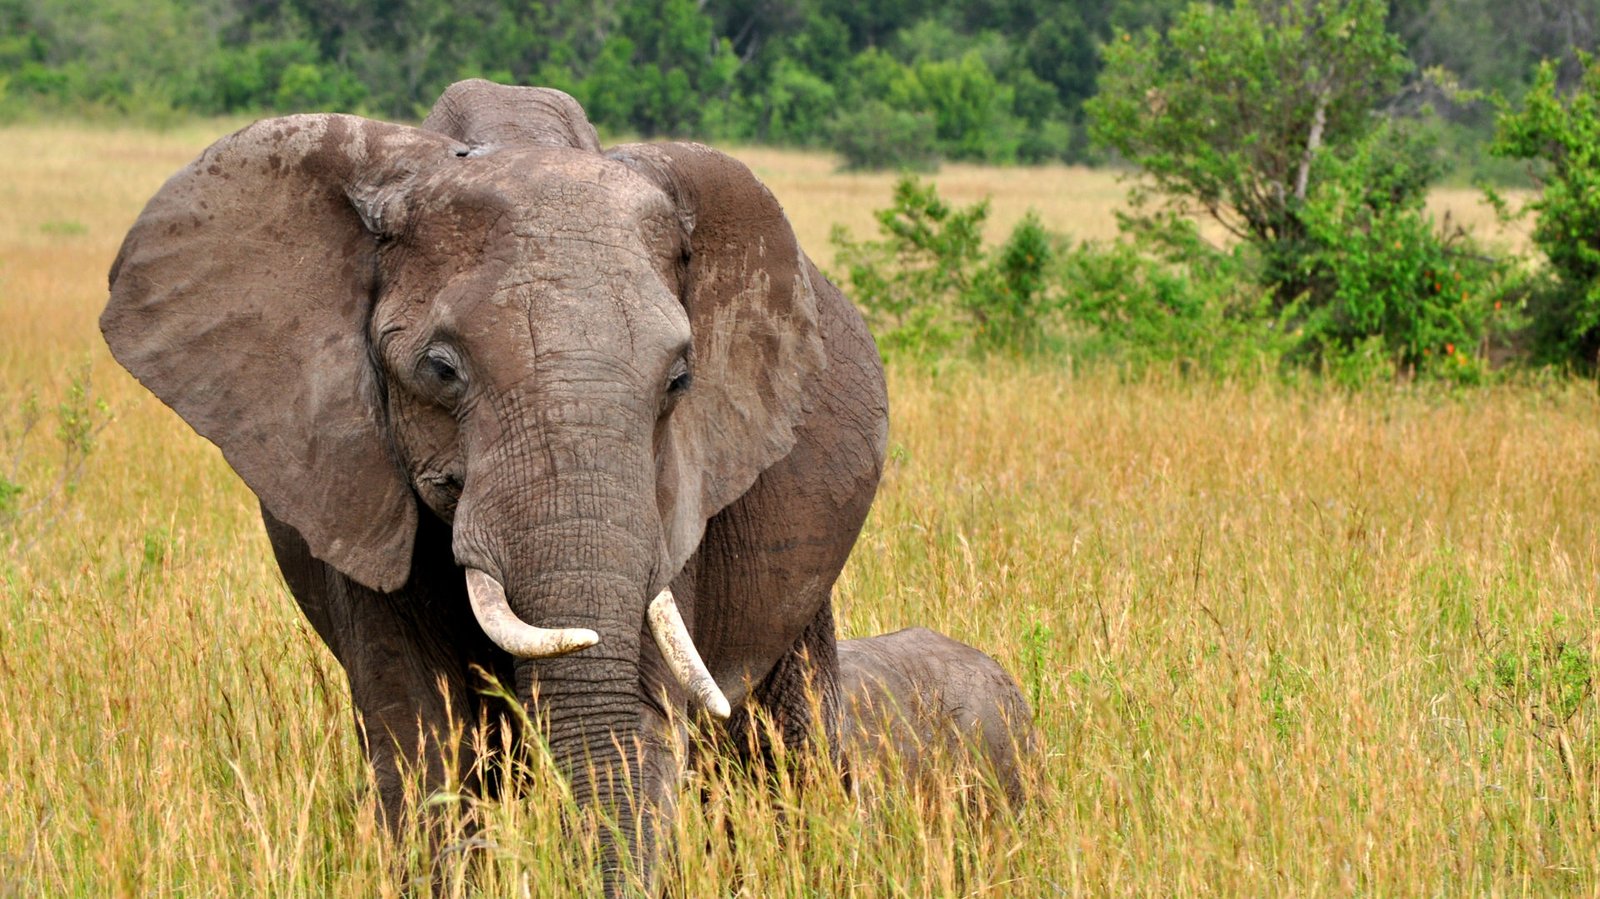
(586, 420)
(916, 697)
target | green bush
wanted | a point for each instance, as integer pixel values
(1164, 297)
(798, 105)
(1560, 135)
(1381, 275)
(1264, 117)
(305, 85)
(1227, 112)
(32, 493)
(876, 136)
(971, 110)
(928, 287)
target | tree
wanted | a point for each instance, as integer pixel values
(1266, 119)
(1495, 44)
(1560, 134)
(1226, 115)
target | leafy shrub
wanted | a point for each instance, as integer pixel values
(928, 286)
(798, 105)
(1558, 135)
(876, 136)
(1226, 113)
(1009, 302)
(952, 98)
(1380, 275)
(1542, 681)
(305, 85)
(1263, 117)
(1164, 297)
(971, 110)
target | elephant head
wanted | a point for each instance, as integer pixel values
(574, 358)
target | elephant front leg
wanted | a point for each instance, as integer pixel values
(415, 730)
(799, 700)
(407, 656)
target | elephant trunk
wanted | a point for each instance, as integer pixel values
(588, 701)
(574, 554)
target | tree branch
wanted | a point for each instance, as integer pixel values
(1319, 120)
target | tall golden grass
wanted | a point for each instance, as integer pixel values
(1281, 641)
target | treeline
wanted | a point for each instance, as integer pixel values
(898, 82)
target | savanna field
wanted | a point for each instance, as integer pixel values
(1280, 640)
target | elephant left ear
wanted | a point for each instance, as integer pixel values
(757, 344)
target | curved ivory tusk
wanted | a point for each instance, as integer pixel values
(511, 633)
(672, 638)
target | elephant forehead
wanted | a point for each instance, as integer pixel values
(625, 314)
(573, 250)
(549, 216)
(542, 190)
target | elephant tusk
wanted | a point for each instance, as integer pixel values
(511, 633)
(677, 648)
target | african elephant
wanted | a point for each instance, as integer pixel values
(587, 419)
(919, 696)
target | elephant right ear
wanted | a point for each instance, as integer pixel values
(241, 298)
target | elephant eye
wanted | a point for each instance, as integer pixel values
(439, 370)
(680, 378)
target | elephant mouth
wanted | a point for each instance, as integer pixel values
(524, 640)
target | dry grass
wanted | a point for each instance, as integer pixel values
(1071, 200)
(1282, 641)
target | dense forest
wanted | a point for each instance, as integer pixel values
(892, 82)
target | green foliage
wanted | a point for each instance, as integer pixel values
(1263, 118)
(1282, 693)
(659, 71)
(1542, 682)
(877, 136)
(971, 110)
(1036, 656)
(157, 549)
(1009, 302)
(1000, 80)
(1560, 135)
(1381, 275)
(956, 84)
(799, 106)
(1226, 113)
(79, 419)
(25, 418)
(1161, 296)
(10, 499)
(306, 85)
(928, 286)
